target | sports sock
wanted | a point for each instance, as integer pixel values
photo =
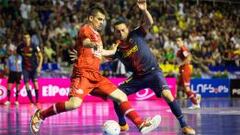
(54, 109)
(178, 113)
(121, 118)
(128, 111)
(29, 95)
(8, 94)
(36, 94)
(192, 96)
(17, 94)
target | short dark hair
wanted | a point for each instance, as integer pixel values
(94, 9)
(120, 20)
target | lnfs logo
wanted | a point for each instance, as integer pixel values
(3, 92)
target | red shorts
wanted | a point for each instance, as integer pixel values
(185, 72)
(82, 86)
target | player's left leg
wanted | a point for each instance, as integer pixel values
(118, 96)
(176, 110)
(26, 78)
(9, 86)
(186, 77)
(34, 77)
(18, 81)
(161, 88)
(11, 79)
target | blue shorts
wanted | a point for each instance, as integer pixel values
(30, 75)
(153, 80)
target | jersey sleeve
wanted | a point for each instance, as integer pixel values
(185, 53)
(140, 31)
(8, 62)
(84, 33)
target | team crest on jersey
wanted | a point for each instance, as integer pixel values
(131, 41)
(131, 51)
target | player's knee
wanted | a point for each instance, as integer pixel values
(119, 96)
(74, 104)
(123, 98)
(167, 95)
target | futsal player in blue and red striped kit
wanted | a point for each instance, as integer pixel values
(32, 64)
(135, 54)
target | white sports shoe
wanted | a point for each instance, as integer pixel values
(16, 103)
(150, 124)
(195, 107)
(7, 103)
(35, 123)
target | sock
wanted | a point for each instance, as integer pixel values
(29, 95)
(178, 113)
(128, 111)
(121, 118)
(192, 96)
(17, 95)
(8, 94)
(36, 94)
(54, 109)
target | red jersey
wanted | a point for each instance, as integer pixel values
(183, 53)
(88, 58)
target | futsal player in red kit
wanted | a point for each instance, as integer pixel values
(185, 72)
(86, 77)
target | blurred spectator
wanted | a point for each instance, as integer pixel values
(210, 31)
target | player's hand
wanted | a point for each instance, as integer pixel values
(142, 4)
(72, 54)
(115, 45)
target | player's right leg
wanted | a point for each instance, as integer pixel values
(40, 115)
(129, 87)
(9, 86)
(26, 78)
(80, 87)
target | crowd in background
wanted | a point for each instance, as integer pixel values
(210, 30)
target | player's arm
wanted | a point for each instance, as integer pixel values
(111, 52)
(7, 67)
(40, 60)
(188, 57)
(147, 21)
(89, 44)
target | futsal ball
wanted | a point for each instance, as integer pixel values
(111, 127)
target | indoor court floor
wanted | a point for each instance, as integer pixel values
(218, 116)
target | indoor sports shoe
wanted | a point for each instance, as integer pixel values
(199, 98)
(150, 124)
(188, 131)
(194, 107)
(124, 127)
(16, 103)
(35, 122)
(7, 103)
